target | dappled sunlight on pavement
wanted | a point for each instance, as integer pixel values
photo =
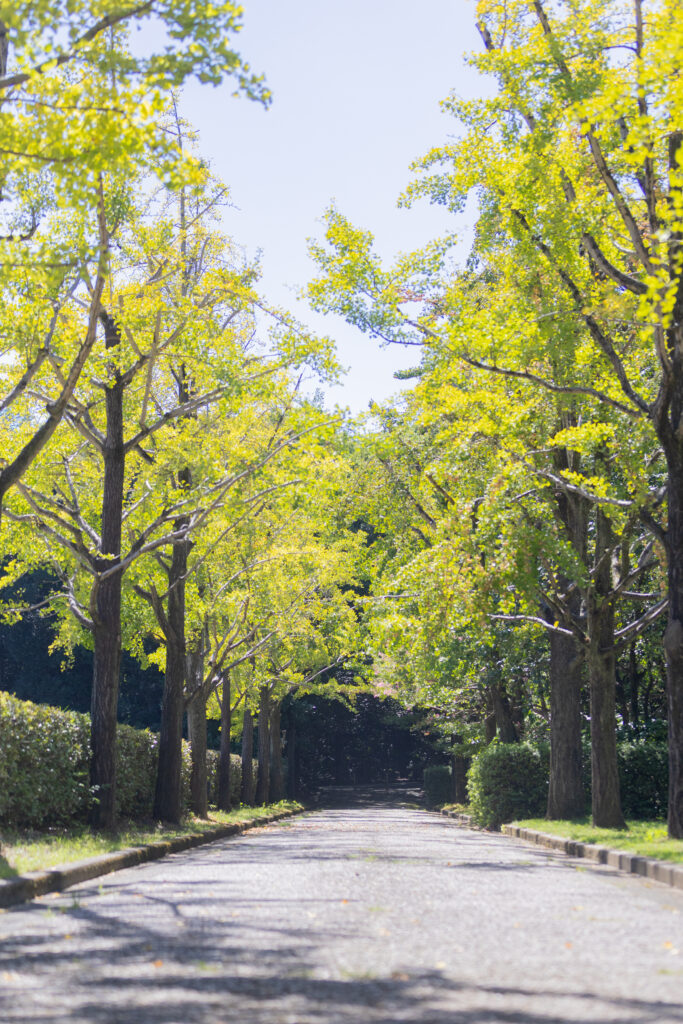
(365, 913)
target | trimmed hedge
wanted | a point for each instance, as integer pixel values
(510, 780)
(643, 778)
(44, 765)
(212, 759)
(507, 781)
(437, 785)
(44, 755)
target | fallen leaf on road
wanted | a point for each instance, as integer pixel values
(158, 963)
(568, 945)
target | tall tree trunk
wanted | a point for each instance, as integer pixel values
(196, 721)
(247, 758)
(502, 710)
(263, 785)
(669, 430)
(168, 792)
(459, 774)
(489, 720)
(106, 613)
(223, 795)
(673, 639)
(566, 798)
(292, 755)
(634, 679)
(277, 785)
(606, 800)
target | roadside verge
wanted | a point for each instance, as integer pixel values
(56, 879)
(630, 863)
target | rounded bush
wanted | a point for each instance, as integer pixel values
(437, 785)
(507, 781)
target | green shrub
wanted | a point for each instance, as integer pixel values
(45, 760)
(136, 765)
(437, 784)
(507, 781)
(643, 778)
(212, 759)
(44, 764)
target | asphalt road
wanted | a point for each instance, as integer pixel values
(369, 914)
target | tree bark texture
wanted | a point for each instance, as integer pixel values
(168, 793)
(566, 798)
(277, 784)
(196, 724)
(247, 758)
(106, 616)
(263, 784)
(605, 799)
(196, 721)
(223, 795)
(673, 645)
(459, 775)
(292, 763)
(502, 710)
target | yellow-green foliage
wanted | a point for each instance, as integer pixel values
(44, 761)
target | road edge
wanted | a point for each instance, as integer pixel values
(654, 870)
(63, 876)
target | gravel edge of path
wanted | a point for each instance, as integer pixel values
(62, 876)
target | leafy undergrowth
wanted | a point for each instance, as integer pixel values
(32, 851)
(643, 838)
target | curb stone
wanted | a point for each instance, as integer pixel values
(646, 867)
(666, 872)
(63, 876)
(462, 819)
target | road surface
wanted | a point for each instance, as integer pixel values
(368, 914)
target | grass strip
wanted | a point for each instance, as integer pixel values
(22, 851)
(643, 838)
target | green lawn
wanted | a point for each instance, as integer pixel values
(31, 851)
(644, 838)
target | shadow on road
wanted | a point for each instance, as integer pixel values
(393, 794)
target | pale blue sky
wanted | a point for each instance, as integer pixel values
(356, 87)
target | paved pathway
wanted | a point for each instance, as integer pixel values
(379, 915)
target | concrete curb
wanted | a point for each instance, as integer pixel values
(631, 863)
(463, 819)
(37, 883)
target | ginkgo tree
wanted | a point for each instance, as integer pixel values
(576, 163)
(81, 102)
(135, 469)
